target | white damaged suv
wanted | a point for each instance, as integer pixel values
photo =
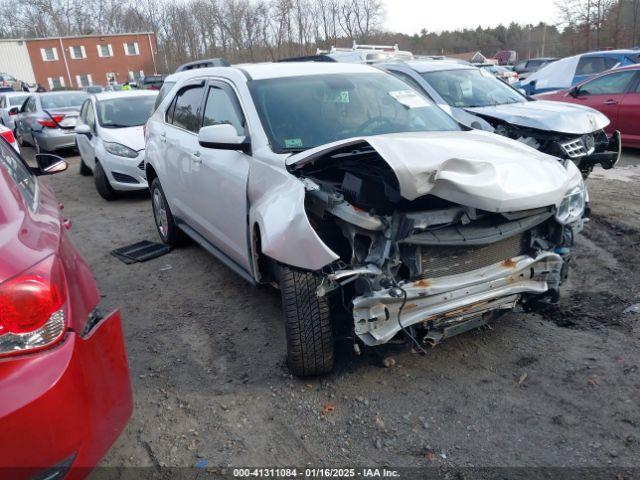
(376, 213)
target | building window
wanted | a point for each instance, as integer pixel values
(84, 80)
(105, 50)
(55, 83)
(77, 52)
(111, 78)
(131, 48)
(49, 54)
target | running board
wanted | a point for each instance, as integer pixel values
(215, 251)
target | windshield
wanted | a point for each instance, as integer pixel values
(471, 88)
(17, 100)
(303, 112)
(125, 112)
(62, 100)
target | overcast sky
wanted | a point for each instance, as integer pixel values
(411, 16)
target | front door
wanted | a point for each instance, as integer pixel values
(87, 143)
(605, 94)
(218, 193)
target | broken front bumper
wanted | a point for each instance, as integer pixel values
(441, 304)
(610, 156)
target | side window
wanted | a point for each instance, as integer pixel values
(83, 112)
(414, 84)
(186, 112)
(221, 108)
(19, 172)
(593, 65)
(608, 84)
(3, 104)
(164, 89)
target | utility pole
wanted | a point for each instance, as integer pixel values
(544, 38)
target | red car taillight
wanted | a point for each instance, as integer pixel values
(51, 122)
(8, 136)
(32, 314)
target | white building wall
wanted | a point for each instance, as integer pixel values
(14, 60)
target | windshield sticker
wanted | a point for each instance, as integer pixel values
(337, 97)
(293, 143)
(409, 98)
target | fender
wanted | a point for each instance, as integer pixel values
(276, 205)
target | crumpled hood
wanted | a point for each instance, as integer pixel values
(473, 168)
(547, 115)
(132, 137)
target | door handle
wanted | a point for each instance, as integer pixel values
(163, 137)
(195, 156)
(611, 101)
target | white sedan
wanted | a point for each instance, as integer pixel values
(110, 139)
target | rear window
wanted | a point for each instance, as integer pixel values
(63, 100)
(17, 100)
(593, 65)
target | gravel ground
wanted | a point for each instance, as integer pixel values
(206, 353)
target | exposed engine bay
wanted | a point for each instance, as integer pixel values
(429, 267)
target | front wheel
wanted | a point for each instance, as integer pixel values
(310, 345)
(85, 171)
(103, 186)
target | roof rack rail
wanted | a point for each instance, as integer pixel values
(205, 63)
(309, 58)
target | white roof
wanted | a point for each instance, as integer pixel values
(260, 71)
(125, 93)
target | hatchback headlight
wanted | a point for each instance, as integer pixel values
(120, 150)
(572, 206)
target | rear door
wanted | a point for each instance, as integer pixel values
(218, 184)
(629, 114)
(605, 94)
(180, 135)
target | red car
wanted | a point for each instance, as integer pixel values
(616, 94)
(65, 392)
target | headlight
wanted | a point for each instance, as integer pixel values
(572, 206)
(120, 150)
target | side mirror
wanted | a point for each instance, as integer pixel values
(83, 129)
(574, 91)
(14, 111)
(49, 164)
(223, 137)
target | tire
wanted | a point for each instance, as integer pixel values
(36, 145)
(84, 170)
(19, 138)
(310, 345)
(103, 186)
(168, 230)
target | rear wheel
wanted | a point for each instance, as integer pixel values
(36, 145)
(310, 345)
(19, 139)
(84, 170)
(169, 232)
(103, 186)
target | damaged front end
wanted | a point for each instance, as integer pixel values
(427, 265)
(586, 150)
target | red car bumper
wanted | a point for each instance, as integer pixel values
(64, 405)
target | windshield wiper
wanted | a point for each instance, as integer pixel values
(293, 150)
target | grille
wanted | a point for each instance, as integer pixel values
(122, 178)
(442, 261)
(579, 147)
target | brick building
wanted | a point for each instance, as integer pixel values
(79, 61)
